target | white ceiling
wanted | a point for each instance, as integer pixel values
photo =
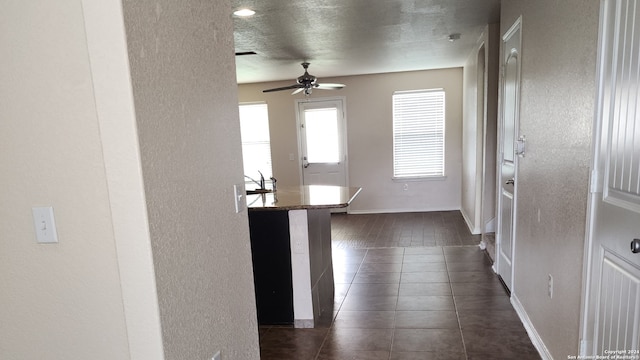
(352, 37)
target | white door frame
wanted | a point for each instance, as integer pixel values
(517, 26)
(343, 101)
(586, 328)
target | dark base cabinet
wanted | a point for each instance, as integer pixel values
(271, 253)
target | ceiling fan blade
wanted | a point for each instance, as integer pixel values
(297, 91)
(329, 86)
(296, 86)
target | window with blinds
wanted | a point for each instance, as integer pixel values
(256, 142)
(418, 133)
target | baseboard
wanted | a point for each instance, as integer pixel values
(531, 330)
(474, 229)
(393, 211)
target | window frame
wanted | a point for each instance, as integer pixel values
(436, 127)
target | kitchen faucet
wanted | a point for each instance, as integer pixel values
(260, 183)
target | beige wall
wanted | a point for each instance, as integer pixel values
(369, 131)
(183, 72)
(557, 108)
(70, 139)
(58, 301)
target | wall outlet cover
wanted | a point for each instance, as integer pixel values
(45, 225)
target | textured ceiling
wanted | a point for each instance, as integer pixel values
(351, 37)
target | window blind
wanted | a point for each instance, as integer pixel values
(418, 133)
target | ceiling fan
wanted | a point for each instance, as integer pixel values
(306, 83)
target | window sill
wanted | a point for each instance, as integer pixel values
(421, 178)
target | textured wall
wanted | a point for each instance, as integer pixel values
(57, 301)
(370, 139)
(557, 107)
(183, 73)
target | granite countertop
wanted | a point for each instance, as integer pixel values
(304, 197)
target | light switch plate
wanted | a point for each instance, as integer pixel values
(239, 195)
(45, 225)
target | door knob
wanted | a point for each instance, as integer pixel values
(635, 246)
(510, 182)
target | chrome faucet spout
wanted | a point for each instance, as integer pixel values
(273, 182)
(255, 181)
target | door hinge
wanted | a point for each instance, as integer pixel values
(584, 346)
(595, 185)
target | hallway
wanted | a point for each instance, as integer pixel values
(407, 289)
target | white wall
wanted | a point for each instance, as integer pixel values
(183, 72)
(369, 130)
(58, 301)
(559, 41)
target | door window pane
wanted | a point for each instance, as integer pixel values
(321, 130)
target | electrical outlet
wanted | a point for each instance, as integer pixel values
(216, 356)
(550, 289)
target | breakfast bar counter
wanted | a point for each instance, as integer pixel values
(291, 250)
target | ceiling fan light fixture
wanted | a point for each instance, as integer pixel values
(244, 12)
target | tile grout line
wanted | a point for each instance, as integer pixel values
(395, 310)
(455, 305)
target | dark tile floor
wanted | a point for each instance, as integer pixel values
(407, 303)
(438, 228)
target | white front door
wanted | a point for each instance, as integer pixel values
(322, 142)
(611, 319)
(508, 157)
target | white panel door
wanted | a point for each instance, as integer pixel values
(322, 142)
(508, 158)
(612, 291)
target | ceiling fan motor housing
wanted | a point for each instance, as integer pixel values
(306, 82)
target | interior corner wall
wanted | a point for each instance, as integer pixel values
(106, 41)
(479, 132)
(489, 182)
(558, 91)
(63, 300)
(470, 146)
(185, 94)
(370, 138)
